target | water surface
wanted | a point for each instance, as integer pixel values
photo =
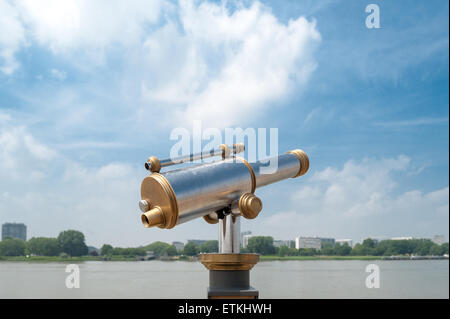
(273, 279)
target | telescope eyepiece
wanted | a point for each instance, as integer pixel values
(154, 217)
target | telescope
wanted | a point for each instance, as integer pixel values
(220, 192)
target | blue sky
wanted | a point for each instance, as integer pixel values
(89, 90)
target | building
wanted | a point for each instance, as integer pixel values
(438, 239)
(401, 238)
(344, 241)
(280, 243)
(308, 242)
(14, 230)
(327, 242)
(242, 237)
(178, 245)
(245, 239)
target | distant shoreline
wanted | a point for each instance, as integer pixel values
(262, 258)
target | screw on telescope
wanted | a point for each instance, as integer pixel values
(144, 206)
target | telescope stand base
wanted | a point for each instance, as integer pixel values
(229, 275)
(231, 284)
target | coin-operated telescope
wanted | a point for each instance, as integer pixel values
(219, 192)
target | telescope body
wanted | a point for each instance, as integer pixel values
(177, 196)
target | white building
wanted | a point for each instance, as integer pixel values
(243, 233)
(438, 239)
(308, 242)
(245, 239)
(401, 238)
(345, 241)
(280, 243)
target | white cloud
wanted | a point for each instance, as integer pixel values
(193, 60)
(21, 154)
(64, 25)
(223, 66)
(50, 192)
(72, 27)
(12, 36)
(360, 200)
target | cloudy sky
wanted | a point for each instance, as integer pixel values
(90, 89)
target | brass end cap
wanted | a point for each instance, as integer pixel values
(250, 205)
(303, 159)
(153, 217)
(225, 150)
(217, 261)
(210, 220)
(238, 148)
(162, 207)
(153, 164)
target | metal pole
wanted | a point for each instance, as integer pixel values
(229, 234)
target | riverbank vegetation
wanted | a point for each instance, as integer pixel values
(70, 246)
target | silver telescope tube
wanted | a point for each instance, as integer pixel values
(212, 190)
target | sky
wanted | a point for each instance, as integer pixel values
(90, 89)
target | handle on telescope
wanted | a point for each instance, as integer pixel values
(154, 165)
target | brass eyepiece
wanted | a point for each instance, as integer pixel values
(153, 165)
(154, 217)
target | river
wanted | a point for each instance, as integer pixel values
(273, 279)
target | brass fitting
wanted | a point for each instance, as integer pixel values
(210, 220)
(153, 217)
(217, 261)
(250, 205)
(238, 148)
(303, 159)
(225, 150)
(153, 164)
(161, 202)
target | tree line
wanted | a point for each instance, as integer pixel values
(160, 248)
(369, 247)
(68, 243)
(72, 243)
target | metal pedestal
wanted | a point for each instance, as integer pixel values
(229, 270)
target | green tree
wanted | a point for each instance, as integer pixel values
(170, 251)
(307, 252)
(12, 247)
(72, 243)
(342, 249)
(130, 252)
(158, 247)
(211, 246)
(190, 249)
(106, 250)
(358, 250)
(261, 245)
(43, 246)
(293, 251)
(283, 251)
(436, 250)
(444, 248)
